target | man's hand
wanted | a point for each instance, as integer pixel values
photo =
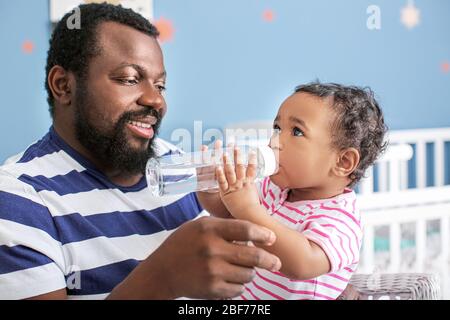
(236, 184)
(201, 260)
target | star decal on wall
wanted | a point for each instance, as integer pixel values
(268, 15)
(445, 67)
(410, 15)
(27, 47)
(165, 28)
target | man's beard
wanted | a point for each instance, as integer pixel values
(111, 147)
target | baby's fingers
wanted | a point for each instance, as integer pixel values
(240, 167)
(252, 166)
(221, 179)
(230, 173)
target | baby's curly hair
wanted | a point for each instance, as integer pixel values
(358, 123)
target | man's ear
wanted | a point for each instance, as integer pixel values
(62, 84)
(347, 162)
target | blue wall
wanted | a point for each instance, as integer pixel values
(226, 64)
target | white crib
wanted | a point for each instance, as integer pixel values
(392, 205)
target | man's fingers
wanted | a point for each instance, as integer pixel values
(224, 290)
(236, 274)
(249, 256)
(240, 230)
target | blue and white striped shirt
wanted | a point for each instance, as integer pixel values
(63, 224)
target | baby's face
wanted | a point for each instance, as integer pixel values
(303, 137)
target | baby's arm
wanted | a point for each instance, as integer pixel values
(300, 258)
(212, 203)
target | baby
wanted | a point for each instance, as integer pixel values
(326, 136)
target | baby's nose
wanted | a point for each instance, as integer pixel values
(275, 142)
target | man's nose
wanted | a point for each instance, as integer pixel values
(152, 97)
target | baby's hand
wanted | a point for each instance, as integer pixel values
(236, 184)
(207, 173)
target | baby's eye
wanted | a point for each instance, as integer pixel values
(297, 132)
(276, 129)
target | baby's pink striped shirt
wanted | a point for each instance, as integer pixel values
(334, 224)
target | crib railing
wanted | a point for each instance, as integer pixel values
(420, 138)
(417, 206)
(394, 204)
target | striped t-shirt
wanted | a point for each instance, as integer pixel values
(63, 224)
(334, 224)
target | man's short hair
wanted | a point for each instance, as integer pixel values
(72, 49)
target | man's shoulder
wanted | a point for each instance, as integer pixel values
(164, 147)
(43, 158)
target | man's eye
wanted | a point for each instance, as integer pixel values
(297, 132)
(129, 81)
(161, 88)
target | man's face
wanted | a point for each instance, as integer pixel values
(119, 105)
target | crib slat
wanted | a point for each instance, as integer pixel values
(445, 254)
(421, 238)
(403, 175)
(394, 176)
(394, 247)
(368, 249)
(439, 163)
(366, 185)
(382, 176)
(445, 238)
(421, 163)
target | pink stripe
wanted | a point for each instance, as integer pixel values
(286, 217)
(265, 186)
(267, 291)
(293, 209)
(314, 294)
(348, 238)
(335, 219)
(337, 277)
(271, 194)
(348, 269)
(342, 211)
(250, 291)
(332, 244)
(265, 204)
(323, 284)
(315, 281)
(243, 297)
(334, 201)
(280, 274)
(310, 206)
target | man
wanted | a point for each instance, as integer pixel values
(76, 220)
